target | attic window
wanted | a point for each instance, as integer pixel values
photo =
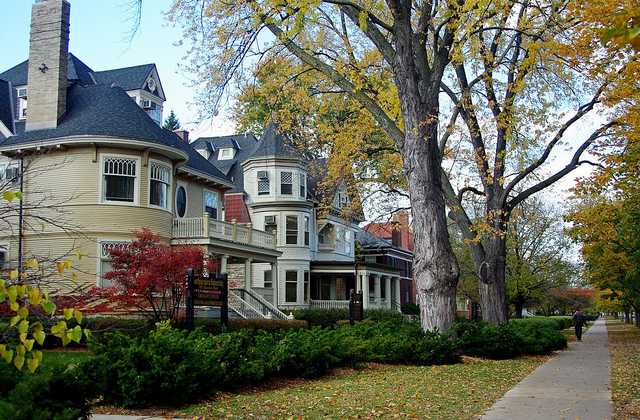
(226, 153)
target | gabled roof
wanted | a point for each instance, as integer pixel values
(77, 72)
(273, 144)
(101, 110)
(128, 78)
(367, 240)
(244, 145)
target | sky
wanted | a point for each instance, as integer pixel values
(100, 36)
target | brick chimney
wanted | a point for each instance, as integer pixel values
(48, 55)
(183, 134)
(401, 218)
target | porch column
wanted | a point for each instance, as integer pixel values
(274, 282)
(223, 264)
(376, 288)
(364, 277)
(387, 290)
(247, 273)
(397, 289)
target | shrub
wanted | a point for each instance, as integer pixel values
(383, 315)
(410, 309)
(215, 327)
(321, 317)
(59, 394)
(517, 337)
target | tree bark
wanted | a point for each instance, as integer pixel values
(637, 317)
(627, 316)
(492, 285)
(519, 308)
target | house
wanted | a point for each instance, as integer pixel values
(87, 150)
(397, 233)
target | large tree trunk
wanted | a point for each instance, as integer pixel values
(636, 313)
(519, 304)
(627, 316)
(492, 285)
(435, 267)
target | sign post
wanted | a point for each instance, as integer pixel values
(207, 291)
(356, 310)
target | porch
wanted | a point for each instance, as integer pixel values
(331, 286)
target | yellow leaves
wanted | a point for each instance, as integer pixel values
(32, 264)
(11, 195)
(13, 274)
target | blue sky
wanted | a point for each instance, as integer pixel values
(100, 37)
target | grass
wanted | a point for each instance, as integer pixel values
(54, 358)
(461, 391)
(624, 345)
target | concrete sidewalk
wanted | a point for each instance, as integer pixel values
(573, 385)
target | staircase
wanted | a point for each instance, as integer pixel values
(248, 304)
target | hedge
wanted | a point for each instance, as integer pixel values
(330, 317)
(171, 366)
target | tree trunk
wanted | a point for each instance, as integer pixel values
(637, 316)
(492, 285)
(627, 316)
(435, 267)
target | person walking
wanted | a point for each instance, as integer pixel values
(578, 323)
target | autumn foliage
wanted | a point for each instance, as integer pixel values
(150, 277)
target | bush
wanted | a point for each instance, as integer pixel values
(330, 317)
(59, 394)
(174, 367)
(410, 309)
(517, 337)
(214, 326)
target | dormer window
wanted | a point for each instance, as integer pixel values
(204, 153)
(263, 183)
(22, 108)
(226, 153)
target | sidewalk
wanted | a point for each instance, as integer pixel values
(573, 385)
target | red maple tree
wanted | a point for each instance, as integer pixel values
(150, 277)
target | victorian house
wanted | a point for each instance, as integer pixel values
(91, 142)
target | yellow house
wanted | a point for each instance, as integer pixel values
(87, 150)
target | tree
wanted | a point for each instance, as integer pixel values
(171, 123)
(498, 64)
(150, 276)
(536, 261)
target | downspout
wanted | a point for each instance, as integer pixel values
(20, 219)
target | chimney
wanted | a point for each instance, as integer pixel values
(48, 55)
(402, 219)
(183, 134)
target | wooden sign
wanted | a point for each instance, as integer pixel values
(207, 291)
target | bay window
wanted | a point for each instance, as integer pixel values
(286, 183)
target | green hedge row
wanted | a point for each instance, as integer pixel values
(330, 317)
(171, 366)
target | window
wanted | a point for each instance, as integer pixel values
(159, 181)
(291, 287)
(10, 173)
(271, 225)
(372, 288)
(22, 108)
(105, 261)
(263, 183)
(306, 287)
(4, 257)
(343, 199)
(226, 153)
(306, 230)
(268, 279)
(303, 186)
(383, 288)
(181, 201)
(286, 183)
(292, 230)
(119, 180)
(211, 203)
(347, 242)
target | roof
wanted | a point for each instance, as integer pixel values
(77, 72)
(101, 110)
(128, 78)
(244, 144)
(367, 240)
(6, 110)
(274, 144)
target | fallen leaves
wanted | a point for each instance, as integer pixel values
(624, 345)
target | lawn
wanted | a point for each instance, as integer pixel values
(624, 345)
(460, 391)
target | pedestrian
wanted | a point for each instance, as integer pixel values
(578, 322)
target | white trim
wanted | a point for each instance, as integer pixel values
(4, 130)
(136, 182)
(99, 256)
(186, 199)
(169, 187)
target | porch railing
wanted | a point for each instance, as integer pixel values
(205, 227)
(330, 304)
